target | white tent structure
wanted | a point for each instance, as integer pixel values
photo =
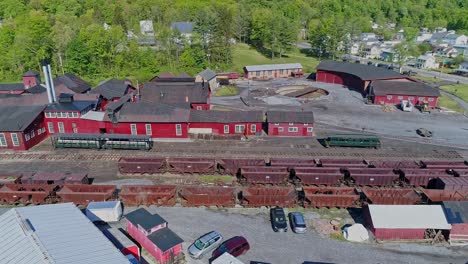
(356, 233)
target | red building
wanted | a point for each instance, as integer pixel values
(354, 75)
(152, 233)
(71, 82)
(30, 79)
(393, 92)
(290, 124)
(396, 222)
(226, 122)
(21, 127)
(112, 90)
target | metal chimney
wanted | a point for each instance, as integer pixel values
(51, 80)
(47, 80)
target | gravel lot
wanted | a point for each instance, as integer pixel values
(282, 248)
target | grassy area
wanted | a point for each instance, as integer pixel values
(226, 91)
(447, 102)
(460, 90)
(244, 55)
(430, 80)
(213, 178)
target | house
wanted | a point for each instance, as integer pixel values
(454, 39)
(152, 233)
(30, 79)
(208, 76)
(368, 37)
(398, 222)
(393, 92)
(21, 127)
(71, 82)
(282, 123)
(226, 122)
(184, 28)
(463, 68)
(196, 94)
(353, 48)
(447, 52)
(169, 77)
(269, 71)
(438, 37)
(371, 51)
(457, 215)
(53, 233)
(112, 90)
(426, 62)
(423, 36)
(389, 55)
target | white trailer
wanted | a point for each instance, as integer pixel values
(406, 106)
(104, 211)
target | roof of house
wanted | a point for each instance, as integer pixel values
(30, 73)
(152, 113)
(456, 212)
(183, 27)
(165, 239)
(363, 71)
(94, 115)
(269, 67)
(408, 217)
(207, 74)
(111, 89)
(116, 105)
(36, 89)
(145, 219)
(72, 106)
(169, 77)
(11, 87)
(403, 88)
(197, 116)
(175, 93)
(289, 117)
(73, 83)
(18, 118)
(54, 233)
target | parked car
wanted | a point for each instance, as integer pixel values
(297, 222)
(204, 244)
(235, 246)
(278, 219)
(424, 132)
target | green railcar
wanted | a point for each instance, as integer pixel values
(353, 140)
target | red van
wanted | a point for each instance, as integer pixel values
(235, 246)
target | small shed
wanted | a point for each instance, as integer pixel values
(208, 76)
(396, 222)
(226, 258)
(457, 216)
(110, 211)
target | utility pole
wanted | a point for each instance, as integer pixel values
(61, 62)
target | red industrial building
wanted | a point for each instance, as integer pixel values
(226, 122)
(284, 123)
(30, 79)
(393, 92)
(397, 222)
(21, 127)
(152, 233)
(112, 90)
(354, 75)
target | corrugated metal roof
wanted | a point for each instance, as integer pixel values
(18, 118)
(456, 212)
(207, 74)
(408, 216)
(270, 67)
(381, 87)
(58, 233)
(364, 72)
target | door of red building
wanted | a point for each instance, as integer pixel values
(275, 131)
(304, 131)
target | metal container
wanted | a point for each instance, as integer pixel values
(232, 166)
(342, 163)
(26, 193)
(436, 196)
(275, 178)
(10, 178)
(246, 169)
(55, 178)
(393, 164)
(374, 179)
(426, 163)
(271, 196)
(356, 171)
(208, 196)
(333, 170)
(318, 178)
(141, 165)
(135, 195)
(83, 194)
(419, 179)
(191, 165)
(451, 183)
(342, 197)
(292, 162)
(391, 196)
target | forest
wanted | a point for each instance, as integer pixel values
(72, 32)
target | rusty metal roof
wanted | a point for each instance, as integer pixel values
(380, 88)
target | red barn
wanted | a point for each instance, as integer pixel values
(393, 92)
(112, 90)
(354, 75)
(152, 233)
(226, 122)
(283, 123)
(21, 127)
(396, 222)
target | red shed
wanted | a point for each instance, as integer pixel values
(354, 75)
(393, 92)
(152, 233)
(226, 122)
(282, 123)
(21, 127)
(395, 222)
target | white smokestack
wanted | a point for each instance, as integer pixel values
(52, 86)
(46, 75)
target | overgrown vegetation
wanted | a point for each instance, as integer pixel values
(72, 32)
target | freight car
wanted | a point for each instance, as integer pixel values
(352, 140)
(102, 141)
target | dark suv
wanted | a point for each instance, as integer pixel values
(278, 219)
(235, 246)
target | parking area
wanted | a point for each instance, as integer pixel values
(281, 248)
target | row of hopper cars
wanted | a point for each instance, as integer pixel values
(280, 182)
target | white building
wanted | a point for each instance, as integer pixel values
(184, 28)
(447, 52)
(368, 36)
(454, 39)
(389, 55)
(146, 28)
(353, 48)
(426, 62)
(371, 52)
(463, 68)
(423, 36)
